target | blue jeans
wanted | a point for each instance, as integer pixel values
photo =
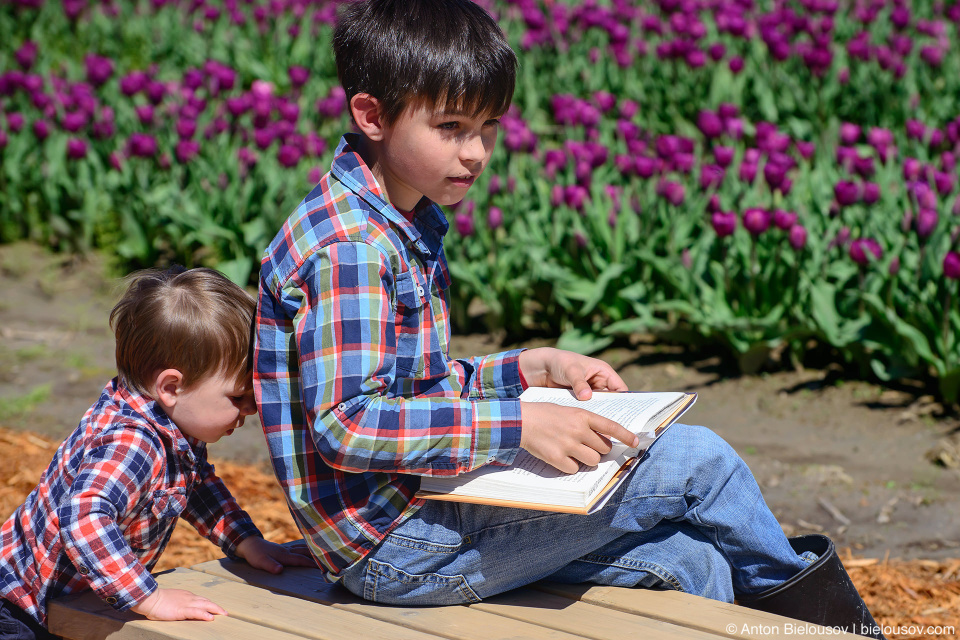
(17, 624)
(690, 518)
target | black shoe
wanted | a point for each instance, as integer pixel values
(821, 594)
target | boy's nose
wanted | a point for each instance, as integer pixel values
(473, 149)
(249, 405)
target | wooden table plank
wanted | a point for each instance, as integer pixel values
(712, 616)
(454, 623)
(582, 618)
(286, 613)
(86, 617)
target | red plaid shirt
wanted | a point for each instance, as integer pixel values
(107, 504)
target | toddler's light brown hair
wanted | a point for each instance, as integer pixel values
(194, 320)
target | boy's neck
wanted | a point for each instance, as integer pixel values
(369, 153)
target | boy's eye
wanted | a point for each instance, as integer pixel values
(494, 122)
(449, 126)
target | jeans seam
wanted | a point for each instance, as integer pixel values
(657, 570)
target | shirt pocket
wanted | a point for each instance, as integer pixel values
(156, 519)
(411, 301)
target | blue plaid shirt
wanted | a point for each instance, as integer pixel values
(107, 504)
(357, 394)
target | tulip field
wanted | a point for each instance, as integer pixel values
(768, 176)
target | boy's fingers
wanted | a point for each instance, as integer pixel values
(617, 432)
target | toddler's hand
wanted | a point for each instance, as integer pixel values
(177, 604)
(273, 557)
(547, 367)
(565, 436)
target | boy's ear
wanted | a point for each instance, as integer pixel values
(169, 384)
(366, 113)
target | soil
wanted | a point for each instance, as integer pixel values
(877, 469)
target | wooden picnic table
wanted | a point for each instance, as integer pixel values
(299, 604)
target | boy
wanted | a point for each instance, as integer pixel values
(110, 499)
(359, 398)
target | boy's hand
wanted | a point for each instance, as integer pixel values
(273, 557)
(177, 604)
(565, 436)
(547, 367)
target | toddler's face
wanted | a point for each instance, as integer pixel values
(214, 407)
(437, 154)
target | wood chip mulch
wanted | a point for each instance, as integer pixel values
(910, 598)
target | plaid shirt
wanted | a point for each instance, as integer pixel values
(357, 394)
(107, 504)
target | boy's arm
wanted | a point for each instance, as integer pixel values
(215, 514)
(115, 471)
(346, 338)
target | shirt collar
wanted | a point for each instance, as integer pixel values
(158, 418)
(350, 169)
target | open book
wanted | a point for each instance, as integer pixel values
(531, 483)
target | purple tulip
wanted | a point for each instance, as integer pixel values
(748, 171)
(575, 196)
(645, 166)
(736, 64)
(99, 69)
(710, 124)
(846, 193)
(41, 129)
(927, 220)
(187, 150)
(76, 149)
(74, 121)
(871, 192)
(943, 182)
(724, 223)
(141, 145)
(774, 174)
(133, 83)
(15, 121)
(288, 155)
(784, 220)
(797, 237)
(894, 266)
(155, 92)
(916, 130)
(26, 55)
(464, 224)
(672, 192)
(863, 250)
(144, 114)
(951, 265)
(495, 218)
(711, 176)
(756, 220)
(849, 133)
(723, 156)
(805, 149)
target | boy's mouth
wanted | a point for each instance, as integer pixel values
(463, 181)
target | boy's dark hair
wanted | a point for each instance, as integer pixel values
(447, 54)
(193, 320)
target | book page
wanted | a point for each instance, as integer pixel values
(632, 410)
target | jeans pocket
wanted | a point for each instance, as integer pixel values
(386, 584)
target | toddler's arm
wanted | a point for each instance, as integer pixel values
(565, 436)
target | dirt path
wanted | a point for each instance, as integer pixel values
(847, 458)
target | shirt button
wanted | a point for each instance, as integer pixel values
(83, 570)
(110, 600)
(342, 407)
(419, 291)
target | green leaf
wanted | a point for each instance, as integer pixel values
(585, 342)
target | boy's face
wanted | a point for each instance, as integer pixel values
(431, 153)
(214, 407)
